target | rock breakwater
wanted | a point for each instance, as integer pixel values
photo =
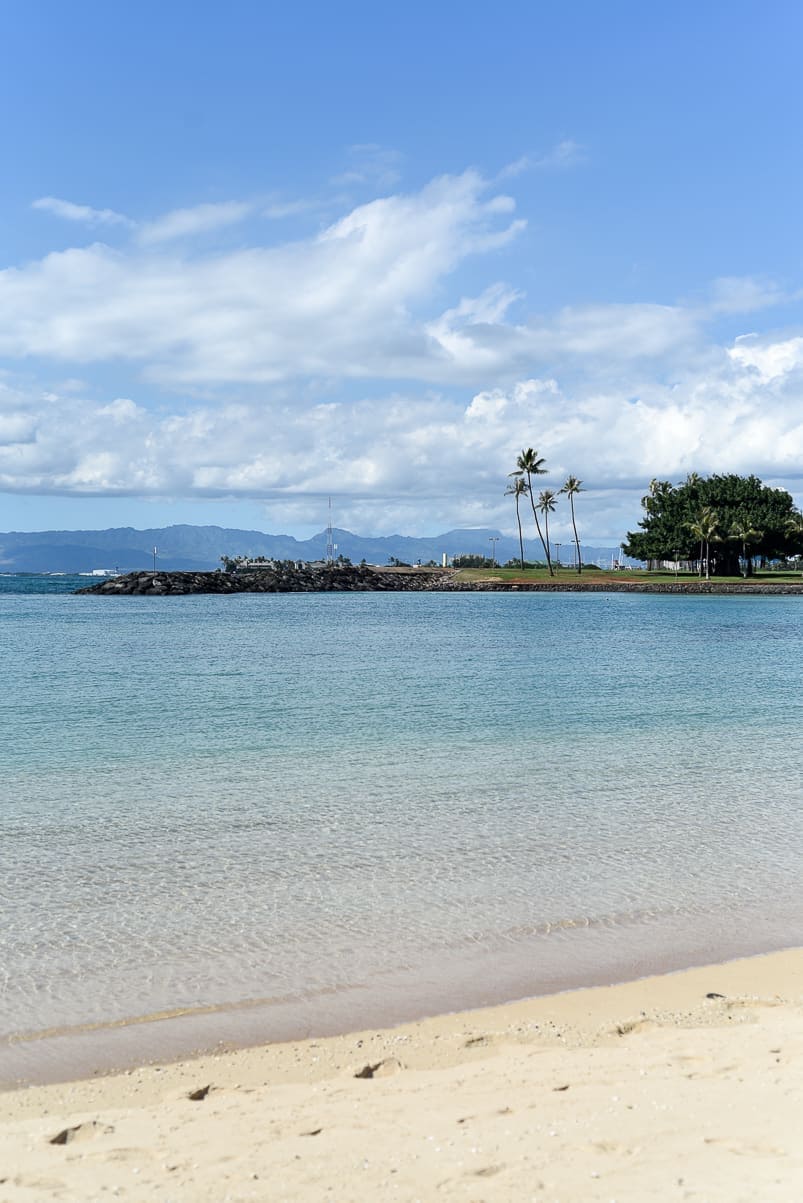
(281, 579)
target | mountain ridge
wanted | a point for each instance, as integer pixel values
(183, 547)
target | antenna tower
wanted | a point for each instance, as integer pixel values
(330, 543)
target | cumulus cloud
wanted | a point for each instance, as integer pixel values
(422, 461)
(81, 213)
(771, 359)
(338, 303)
(613, 393)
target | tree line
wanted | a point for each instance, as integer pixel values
(722, 522)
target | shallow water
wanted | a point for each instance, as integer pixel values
(354, 807)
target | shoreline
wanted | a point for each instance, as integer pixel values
(621, 1091)
(455, 981)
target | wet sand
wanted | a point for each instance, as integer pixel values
(682, 1086)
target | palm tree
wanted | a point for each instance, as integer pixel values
(571, 489)
(704, 528)
(517, 489)
(794, 528)
(546, 504)
(530, 464)
(744, 533)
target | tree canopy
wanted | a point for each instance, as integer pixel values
(743, 517)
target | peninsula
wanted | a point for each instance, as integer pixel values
(365, 578)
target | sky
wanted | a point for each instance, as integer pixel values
(256, 255)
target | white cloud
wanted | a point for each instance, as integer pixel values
(358, 299)
(275, 210)
(566, 153)
(614, 393)
(80, 213)
(744, 294)
(419, 462)
(339, 303)
(183, 223)
(371, 164)
(771, 359)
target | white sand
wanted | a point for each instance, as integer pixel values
(644, 1091)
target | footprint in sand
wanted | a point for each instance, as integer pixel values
(744, 1150)
(80, 1132)
(479, 1041)
(380, 1069)
(37, 1183)
(612, 1146)
(198, 1095)
(632, 1026)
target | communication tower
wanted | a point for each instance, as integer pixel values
(330, 545)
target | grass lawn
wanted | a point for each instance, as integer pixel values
(633, 576)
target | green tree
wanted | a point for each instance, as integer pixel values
(571, 489)
(670, 512)
(530, 464)
(744, 534)
(794, 529)
(705, 528)
(517, 489)
(472, 561)
(546, 504)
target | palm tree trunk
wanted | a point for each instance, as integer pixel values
(748, 561)
(576, 540)
(521, 537)
(538, 524)
(707, 562)
(546, 527)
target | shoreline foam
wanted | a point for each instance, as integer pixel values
(681, 1086)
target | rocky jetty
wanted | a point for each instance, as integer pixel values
(337, 578)
(307, 578)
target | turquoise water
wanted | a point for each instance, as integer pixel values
(346, 808)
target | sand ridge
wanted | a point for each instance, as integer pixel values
(684, 1086)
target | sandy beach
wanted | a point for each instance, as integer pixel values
(682, 1086)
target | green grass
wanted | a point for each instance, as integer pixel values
(632, 576)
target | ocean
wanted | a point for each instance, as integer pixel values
(230, 819)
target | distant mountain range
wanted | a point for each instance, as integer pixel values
(195, 548)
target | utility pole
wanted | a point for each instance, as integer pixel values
(493, 540)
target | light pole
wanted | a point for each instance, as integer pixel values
(154, 558)
(557, 550)
(493, 540)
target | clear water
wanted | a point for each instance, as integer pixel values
(345, 808)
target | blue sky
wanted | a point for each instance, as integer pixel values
(251, 256)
